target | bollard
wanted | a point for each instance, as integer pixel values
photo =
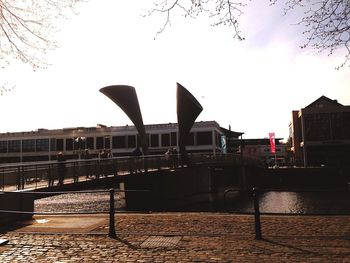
(111, 233)
(257, 214)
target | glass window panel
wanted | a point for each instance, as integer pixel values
(99, 143)
(69, 144)
(3, 146)
(42, 145)
(79, 143)
(107, 142)
(173, 137)
(204, 138)
(28, 145)
(165, 139)
(118, 142)
(131, 141)
(90, 143)
(59, 145)
(14, 146)
(53, 144)
(154, 140)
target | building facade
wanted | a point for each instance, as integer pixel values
(260, 149)
(44, 144)
(320, 134)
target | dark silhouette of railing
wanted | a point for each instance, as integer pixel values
(256, 193)
(111, 212)
(33, 175)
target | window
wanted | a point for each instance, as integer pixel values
(3, 146)
(173, 138)
(42, 145)
(90, 143)
(204, 138)
(165, 139)
(59, 144)
(52, 144)
(69, 144)
(118, 142)
(107, 144)
(79, 143)
(131, 141)
(14, 146)
(154, 140)
(28, 145)
(99, 143)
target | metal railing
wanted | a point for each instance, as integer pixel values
(111, 212)
(33, 175)
(256, 193)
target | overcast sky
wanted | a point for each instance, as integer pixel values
(252, 85)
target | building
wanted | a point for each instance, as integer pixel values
(320, 134)
(44, 144)
(260, 149)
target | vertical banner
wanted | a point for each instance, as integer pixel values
(272, 142)
(223, 144)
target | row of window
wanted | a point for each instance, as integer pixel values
(98, 143)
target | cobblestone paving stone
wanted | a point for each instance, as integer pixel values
(204, 237)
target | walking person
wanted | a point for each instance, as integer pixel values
(61, 165)
(87, 163)
(137, 159)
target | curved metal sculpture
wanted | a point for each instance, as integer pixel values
(126, 98)
(188, 109)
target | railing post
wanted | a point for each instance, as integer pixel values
(3, 179)
(257, 214)
(111, 233)
(18, 178)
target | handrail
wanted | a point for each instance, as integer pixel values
(24, 175)
(111, 212)
(256, 192)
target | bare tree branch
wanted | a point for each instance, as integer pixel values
(224, 12)
(326, 23)
(27, 28)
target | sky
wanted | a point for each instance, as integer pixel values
(251, 85)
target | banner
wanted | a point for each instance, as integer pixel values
(223, 144)
(272, 142)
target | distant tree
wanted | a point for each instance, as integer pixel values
(26, 29)
(326, 22)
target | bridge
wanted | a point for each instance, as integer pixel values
(151, 182)
(46, 175)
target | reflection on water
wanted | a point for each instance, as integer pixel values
(293, 202)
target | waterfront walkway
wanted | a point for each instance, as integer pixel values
(178, 237)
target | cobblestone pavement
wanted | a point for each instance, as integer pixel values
(190, 237)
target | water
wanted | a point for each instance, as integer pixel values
(335, 202)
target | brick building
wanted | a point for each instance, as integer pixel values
(320, 134)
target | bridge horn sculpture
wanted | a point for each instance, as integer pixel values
(126, 98)
(188, 109)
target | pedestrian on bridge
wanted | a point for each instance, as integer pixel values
(61, 165)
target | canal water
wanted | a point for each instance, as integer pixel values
(301, 202)
(320, 202)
